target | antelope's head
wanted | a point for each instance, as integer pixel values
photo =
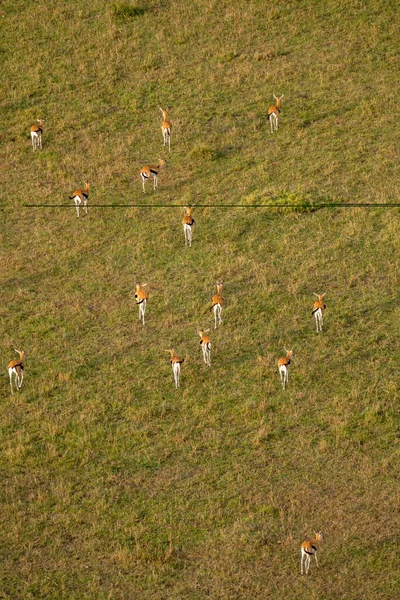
(202, 332)
(320, 296)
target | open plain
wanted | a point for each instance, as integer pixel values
(114, 484)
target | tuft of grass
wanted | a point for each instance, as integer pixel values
(202, 152)
(295, 202)
(124, 12)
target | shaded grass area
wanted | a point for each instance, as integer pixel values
(114, 483)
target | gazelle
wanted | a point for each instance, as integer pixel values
(16, 368)
(166, 128)
(176, 362)
(36, 134)
(217, 303)
(205, 344)
(283, 366)
(273, 113)
(188, 223)
(141, 299)
(318, 310)
(151, 171)
(79, 196)
(309, 549)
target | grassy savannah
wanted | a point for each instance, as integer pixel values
(113, 483)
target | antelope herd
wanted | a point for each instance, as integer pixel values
(80, 197)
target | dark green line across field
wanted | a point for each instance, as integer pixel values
(299, 206)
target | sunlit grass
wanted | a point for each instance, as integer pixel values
(114, 483)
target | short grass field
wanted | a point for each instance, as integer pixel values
(114, 484)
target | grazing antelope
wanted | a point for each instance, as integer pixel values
(16, 368)
(309, 549)
(205, 344)
(188, 223)
(80, 196)
(318, 310)
(176, 362)
(217, 303)
(273, 113)
(36, 134)
(283, 366)
(151, 171)
(141, 299)
(166, 128)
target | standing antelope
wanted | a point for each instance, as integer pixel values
(309, 549)
(217, 303)
(318, 310)
(151, 171)
(273, 113)
(188, 223)
(36, 134)
(205, 344)
(283, 366)
(141, 299)
(176, 362)
(16, 368)
(80, 196)
(166, 128)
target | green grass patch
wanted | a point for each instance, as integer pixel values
(124, 12)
